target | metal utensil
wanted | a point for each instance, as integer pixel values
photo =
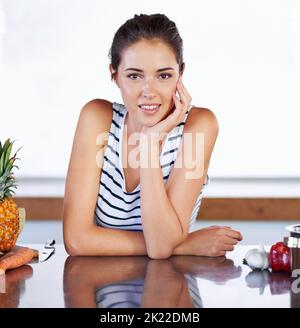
(48, 250)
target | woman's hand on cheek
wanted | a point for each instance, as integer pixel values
(176, 116)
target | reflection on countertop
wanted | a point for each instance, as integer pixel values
(278, 282)
(140, 282)
(133, 282)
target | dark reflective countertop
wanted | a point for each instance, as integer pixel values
(138, 281)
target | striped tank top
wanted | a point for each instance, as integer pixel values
(115, 207)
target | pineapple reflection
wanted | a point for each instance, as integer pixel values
(133, 282)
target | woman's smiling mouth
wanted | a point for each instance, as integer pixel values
(149, 108)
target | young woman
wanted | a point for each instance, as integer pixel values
(129, 188)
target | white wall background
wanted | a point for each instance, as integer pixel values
(242, 61)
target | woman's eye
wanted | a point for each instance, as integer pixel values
(166, 74)
(133, 76)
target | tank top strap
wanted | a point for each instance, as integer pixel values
(118, 112)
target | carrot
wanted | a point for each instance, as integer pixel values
(21, 256)
(35, 251)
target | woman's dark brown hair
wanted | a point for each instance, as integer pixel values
(147, 27)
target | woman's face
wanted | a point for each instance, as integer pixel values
(148, 74)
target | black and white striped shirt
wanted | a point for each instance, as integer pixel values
(116, 208)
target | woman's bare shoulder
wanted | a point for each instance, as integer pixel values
(201, 118)
(98, 109)
(95, 118)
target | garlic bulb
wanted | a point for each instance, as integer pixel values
(257, 258)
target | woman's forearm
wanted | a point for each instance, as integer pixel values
(162, 227)
(101, 241)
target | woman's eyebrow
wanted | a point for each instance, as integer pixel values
(140, 70)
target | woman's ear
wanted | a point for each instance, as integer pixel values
(113, 76)
(182, 68)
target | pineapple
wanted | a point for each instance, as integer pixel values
(10, 224)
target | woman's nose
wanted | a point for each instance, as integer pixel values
(149, 87)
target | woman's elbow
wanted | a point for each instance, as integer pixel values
(164, 252)
(73, 243)
(71, 247)
(159, 254)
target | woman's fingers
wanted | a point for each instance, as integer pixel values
(184, 91)
(234, 234)
(230, 241)
(228, 244)
(228, 248)
(228, 231)
(217, 226)
(178, 104)
(185, 98)
(179, 110)
(212, 227)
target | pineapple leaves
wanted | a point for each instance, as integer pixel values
(9, 166)
(7, 179)
(6, 158)
(6, 145)
(3, 153)
(1, 163)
